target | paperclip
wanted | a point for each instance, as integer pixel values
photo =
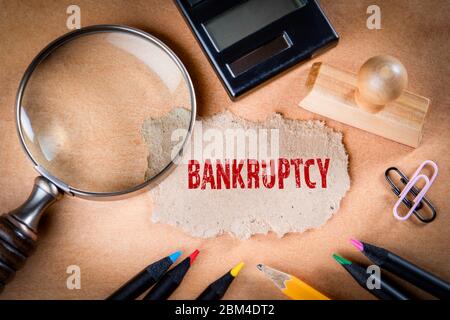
(414, 191)
(409, 188)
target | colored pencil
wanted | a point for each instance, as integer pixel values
(291, 286)
(144, 279)
(386, 291)
(171, 280)
(217, 289)
(404, 269)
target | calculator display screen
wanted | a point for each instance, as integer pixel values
(247, 18)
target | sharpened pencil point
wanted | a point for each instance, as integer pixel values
(193, 256)
(174, 256)
(235, 271)
(341, 260)
(260, 267)
(357, 244)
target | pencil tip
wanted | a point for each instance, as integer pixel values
(357, 244)
(174, 256)
(193, 256)
(235, 271)
(260, 267)
(341, 260)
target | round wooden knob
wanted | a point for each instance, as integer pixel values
(381, 80)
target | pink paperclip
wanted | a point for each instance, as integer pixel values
(412, 182)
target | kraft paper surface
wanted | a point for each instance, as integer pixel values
(111, 241)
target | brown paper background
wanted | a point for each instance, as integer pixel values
(111, 241)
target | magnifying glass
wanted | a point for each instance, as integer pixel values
(96, 113)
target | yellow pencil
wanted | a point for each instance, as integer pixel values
(291, 286)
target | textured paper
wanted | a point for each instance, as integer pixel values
(157, 133)
(244, 212)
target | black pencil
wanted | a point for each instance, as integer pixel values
(217, 289)
(144, 279)
(386, 289)
(404, 269)
(171, 280)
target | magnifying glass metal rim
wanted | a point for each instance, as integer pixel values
(69, 37)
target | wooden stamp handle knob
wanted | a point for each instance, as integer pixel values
(381, 79)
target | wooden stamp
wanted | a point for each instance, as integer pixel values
(375, 100)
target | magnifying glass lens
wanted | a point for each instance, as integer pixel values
(101, 112)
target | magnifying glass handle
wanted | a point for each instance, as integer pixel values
(18, 228)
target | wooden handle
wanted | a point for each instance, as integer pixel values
(17, 243)
(18, 229)
(381, 79)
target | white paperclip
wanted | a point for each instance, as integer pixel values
(412, 182)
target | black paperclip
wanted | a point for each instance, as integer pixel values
(414, 191)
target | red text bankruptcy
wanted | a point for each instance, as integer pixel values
(254, 174)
